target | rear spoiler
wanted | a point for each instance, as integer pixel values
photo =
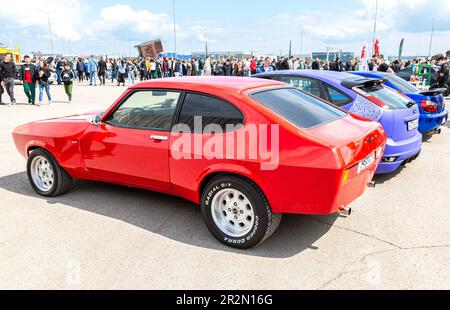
(362, 81)
(434, 92)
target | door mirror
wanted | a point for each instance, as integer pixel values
(97, 120)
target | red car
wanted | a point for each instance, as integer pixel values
(247, 150)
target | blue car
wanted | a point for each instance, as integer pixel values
(431, 103)
(368, 98)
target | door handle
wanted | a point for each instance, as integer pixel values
(159, 138)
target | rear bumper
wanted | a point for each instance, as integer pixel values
(430, 122)
(403, 151)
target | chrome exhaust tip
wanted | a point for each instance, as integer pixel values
(346, 211)
(372, 184)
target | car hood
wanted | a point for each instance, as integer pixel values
(67, 126)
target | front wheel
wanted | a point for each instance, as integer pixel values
(46, 176)
(237, 213)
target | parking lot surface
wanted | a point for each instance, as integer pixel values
(102, 236)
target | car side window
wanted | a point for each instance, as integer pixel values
(151, 110)
(307, 85)
(336, 96)
(213, 111)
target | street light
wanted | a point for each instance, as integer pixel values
(301, 43)
(375, 28)
(174, 30)
(431, 38)
(49, 27)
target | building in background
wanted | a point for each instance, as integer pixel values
(222, 55)
(324, 56)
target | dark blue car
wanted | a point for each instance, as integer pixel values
(431, 103)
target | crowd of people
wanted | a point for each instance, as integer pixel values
(36, 72)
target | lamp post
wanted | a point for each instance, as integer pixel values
(301, 43)
(49, 27)
(375, 27)
(431, 38)
(174, 30)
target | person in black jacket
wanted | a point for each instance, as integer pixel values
(315, 65)
(28, 75)
(102, 71)
(227, 68)
(8, 73)
(80, 70)
(67, 78)
(44, 74)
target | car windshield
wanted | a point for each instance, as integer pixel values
(402, 85)
(301, 109)
(391, 98)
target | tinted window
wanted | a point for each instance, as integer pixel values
(337, 97)
(405, 73)
(212, 111)
(147, 110)
(299, 108)
(307, 85)
(402, 85)
(392, 99)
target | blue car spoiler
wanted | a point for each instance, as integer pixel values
(434, 92)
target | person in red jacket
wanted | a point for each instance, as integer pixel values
(253, 67)
(28, 76)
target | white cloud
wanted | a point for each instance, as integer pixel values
(116, 27)
(397, 19)
(124, 17)
(65, 17)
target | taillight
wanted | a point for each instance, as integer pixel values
(428, 106)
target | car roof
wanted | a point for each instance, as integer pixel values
(231, 84)
(320, 74)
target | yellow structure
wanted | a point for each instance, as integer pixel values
(15, 53)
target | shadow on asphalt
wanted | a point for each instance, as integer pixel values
(385, 178)
(427, 137)
(175, 218)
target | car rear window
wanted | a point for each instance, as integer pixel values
(303, 110)
(392, 99)
(402, 85)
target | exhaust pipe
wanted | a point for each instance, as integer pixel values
(372, 184)
(438, 131)
(346, 211)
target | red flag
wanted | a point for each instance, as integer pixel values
(376, 47)
(364, 52)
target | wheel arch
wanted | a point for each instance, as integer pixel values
(207, 178)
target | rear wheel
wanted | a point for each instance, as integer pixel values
(46, 176)
(237, 213)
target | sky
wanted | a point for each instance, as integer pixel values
(85, 27)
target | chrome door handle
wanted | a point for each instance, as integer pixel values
(159, 138)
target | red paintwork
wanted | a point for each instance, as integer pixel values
(308, 180)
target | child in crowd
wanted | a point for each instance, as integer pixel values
(67, 78)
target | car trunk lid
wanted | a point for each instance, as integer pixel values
(354, 138)
(400, 116)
